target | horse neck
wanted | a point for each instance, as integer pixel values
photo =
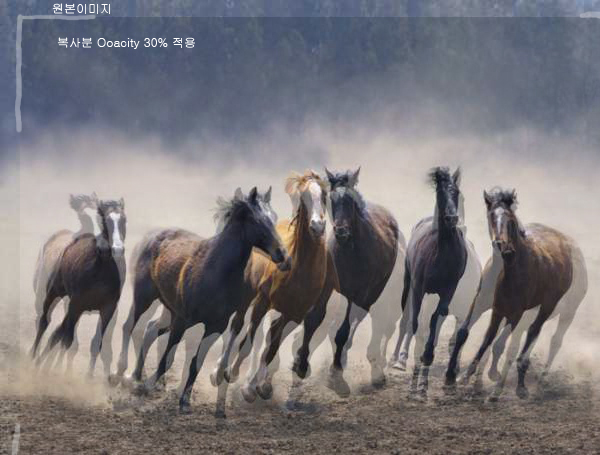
(87, 225)
(232, 249)
(361, 227)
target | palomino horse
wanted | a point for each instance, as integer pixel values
(294, 293)
(541, 268)
(145, 292)
(435, 263)
(364, 247)
(202, 281)
(92, 278)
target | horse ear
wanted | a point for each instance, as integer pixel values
(487, 198)
(238, 195)
(122, 203)
(329, 175)
(253, 196)
(353, 180)
(94, 199)
(267, 196)
(457, 176)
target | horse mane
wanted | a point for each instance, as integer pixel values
(77, 201)
(226, 208)
(505, 197)
(440, 175)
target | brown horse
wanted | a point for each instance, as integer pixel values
(202, 281)
(541, 268)
(294, 293)
(92, 279)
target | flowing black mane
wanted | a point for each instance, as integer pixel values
(440, 177)
(227, 209)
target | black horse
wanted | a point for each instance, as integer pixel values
(364, 247)
(92, 278)
(435, 263)
(202, 281)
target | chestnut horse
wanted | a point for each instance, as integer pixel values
(365, 247)
(92, 278)
(293, 293)
(541, 269)
(202, 281)
(145, 292)
(435, 263)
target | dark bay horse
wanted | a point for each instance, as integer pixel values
(294, 293)
(365, 247)
(145, 292)
(92, 279)
(542, 269)
(202, 281)
(435, 263)
(51, 252)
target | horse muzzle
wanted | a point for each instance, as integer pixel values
(317, 228)
(281, 258)
(451, 220)
(342, 233)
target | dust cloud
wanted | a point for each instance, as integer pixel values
(554, 178)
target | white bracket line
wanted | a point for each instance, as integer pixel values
(20, 19)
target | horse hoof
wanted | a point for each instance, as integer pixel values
(216, 377)
(378, 381)
(114, 380)
(494, 375)
(522, 392)
(249, 393)
(229, 377)
(301, 369)
(338, 384)
(185, 408)
(139, 389)
(399, 365)
(494, 397)
(450, 380)
(265, 390)
(220, 414)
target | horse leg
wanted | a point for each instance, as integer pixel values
(217, 375)
(564, 321)
(154, 329)
(478, 307)
(405, 335)
(489, 337)
(259, 309)
(497, 351)
(516, 334)
(176, 331)
(417, 301)
(312, 322)
(65, 332)
(381, 330)
(261, 381)
(143, 296)
(523, 359)
(211, 334)
(106, 315)
(343, 342)
(44, 320)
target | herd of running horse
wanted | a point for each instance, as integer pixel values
(293, 266)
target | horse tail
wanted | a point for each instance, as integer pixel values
(406, 289)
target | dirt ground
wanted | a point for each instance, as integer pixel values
(67, 414)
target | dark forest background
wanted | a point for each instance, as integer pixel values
(247, 74)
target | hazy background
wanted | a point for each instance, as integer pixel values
(514, 102)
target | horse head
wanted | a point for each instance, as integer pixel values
(309, 198)
(448, 195)
(254, 216)
(345, 201)
(503, 223)
(111, 217)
